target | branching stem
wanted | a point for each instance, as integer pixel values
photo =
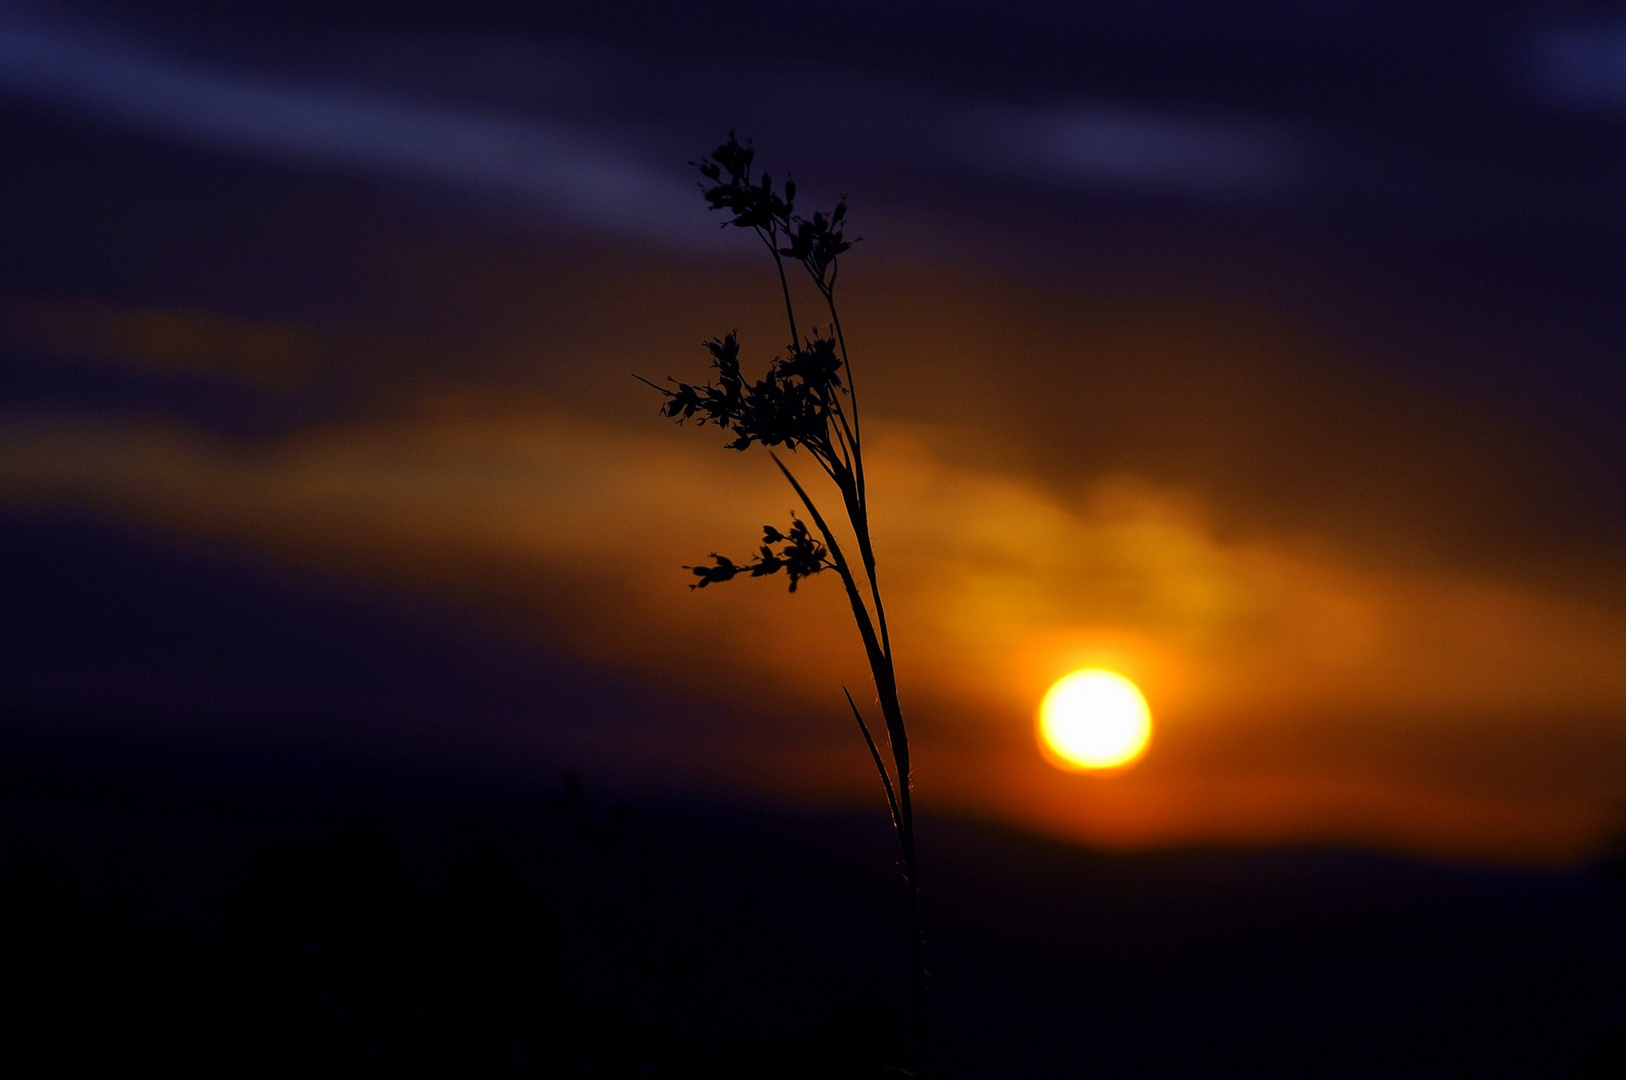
(803, 403)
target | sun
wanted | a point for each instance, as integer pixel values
(1094, 719)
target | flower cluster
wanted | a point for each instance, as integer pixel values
(802, 402)
(752, 203)
(791, 407)
(797, 553)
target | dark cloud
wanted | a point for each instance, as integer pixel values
(1582, 64)
(565, 174)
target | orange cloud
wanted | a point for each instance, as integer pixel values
(1298, 694)
(263, 355)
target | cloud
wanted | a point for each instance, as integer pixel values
(559, 170)
(1100, 146)
(1579, 65)
(1271, 659)
(585, 174)
(264, 356)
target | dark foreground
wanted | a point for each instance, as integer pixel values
(219, 915)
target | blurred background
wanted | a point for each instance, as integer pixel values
(1266, 353)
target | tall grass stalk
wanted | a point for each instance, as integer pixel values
(808, 402)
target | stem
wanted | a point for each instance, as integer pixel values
(893, 713)
(851, 483)
(829, 294)
(857, 507)
(866, 627)
(784, 286)
(858, 514)
(875, 754)
(886, 688)
(844, 434)
(854, 494)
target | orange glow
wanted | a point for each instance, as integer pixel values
(1094, 719)
(1309, 687)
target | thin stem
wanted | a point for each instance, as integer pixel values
(857, 508)
(886, 688)
(858, 513)
(846, 448)
(784, 285)
(843, 435)
(866, 628)
(880, 766)
(892, 711)
(846, 433)
(829, 294)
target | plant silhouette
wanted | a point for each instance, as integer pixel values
(807, 402)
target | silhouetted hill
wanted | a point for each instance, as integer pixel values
(228, 844)
(248, 912)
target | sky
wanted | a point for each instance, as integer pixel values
(1266, 353)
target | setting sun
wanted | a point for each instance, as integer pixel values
(1094, 719)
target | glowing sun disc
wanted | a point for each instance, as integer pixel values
(1094, 719)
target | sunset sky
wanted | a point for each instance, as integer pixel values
(1269, 354)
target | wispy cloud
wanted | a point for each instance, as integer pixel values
(561, 171)
(579, 172)
(163, 343)
(1101, 146)
(1580, 65)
